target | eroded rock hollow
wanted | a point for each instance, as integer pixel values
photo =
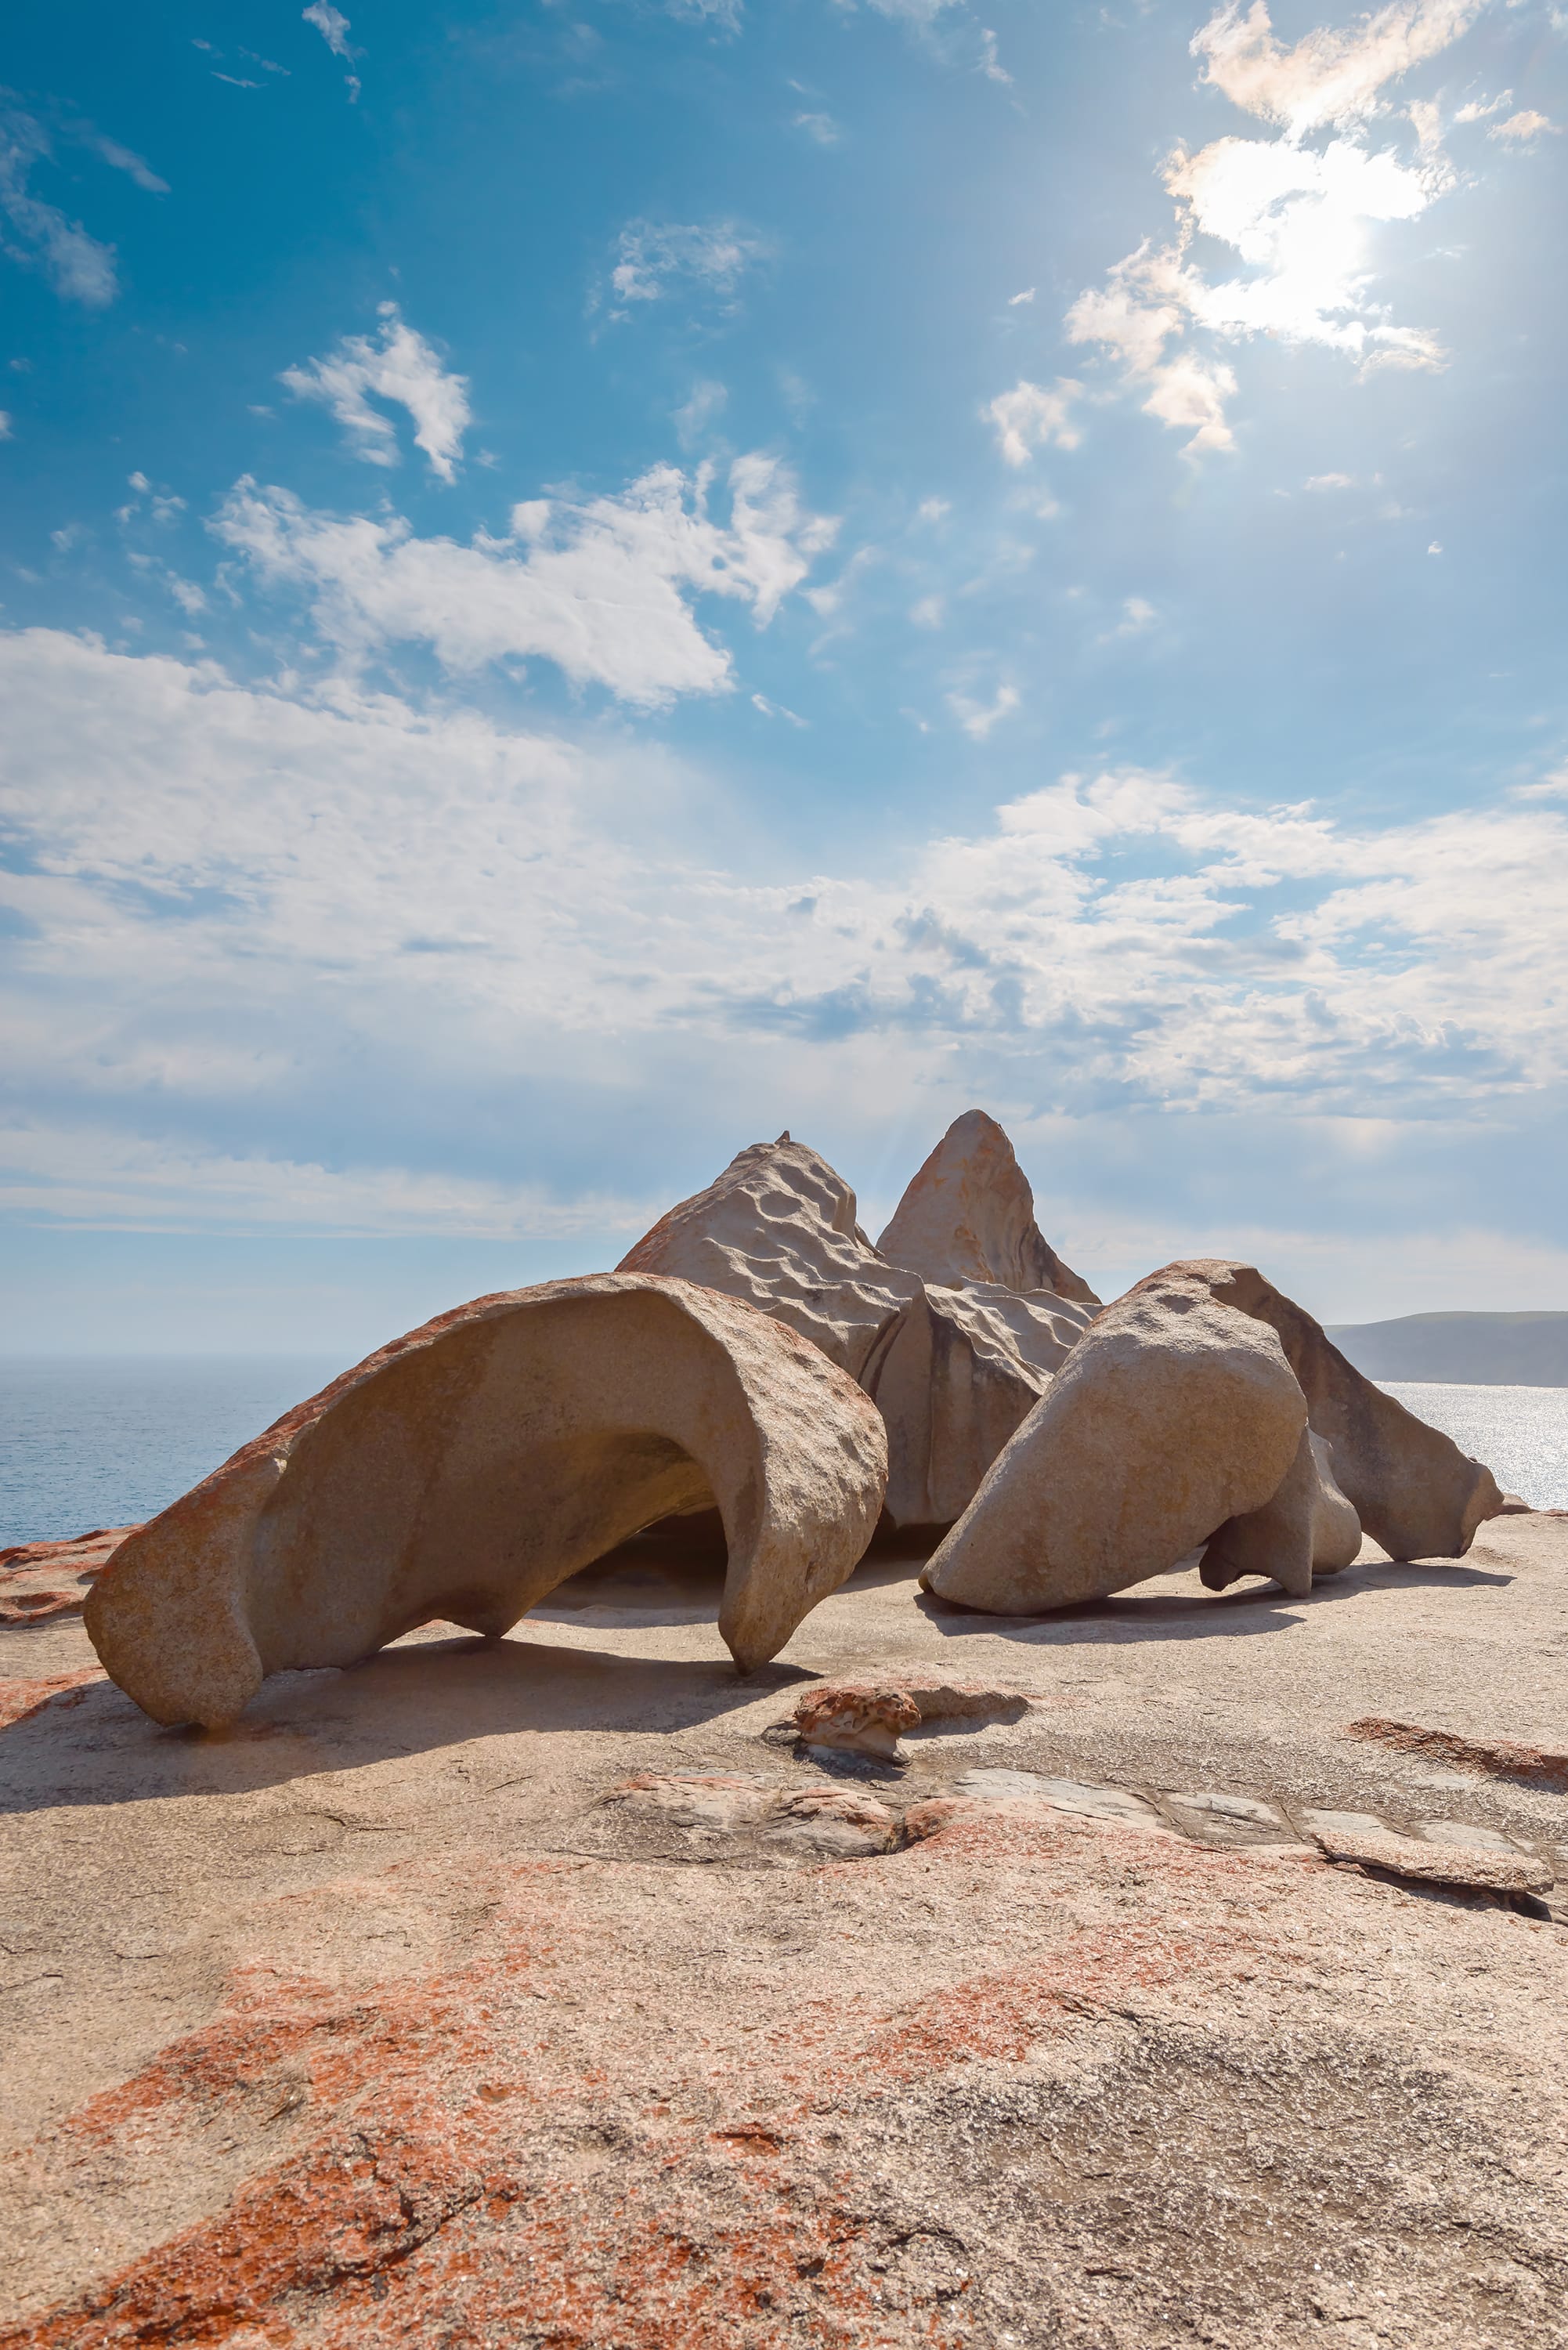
(464, 1472)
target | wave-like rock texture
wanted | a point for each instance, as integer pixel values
(968, 1216)
(1204, 1407)
(465, 1471)
(953, 1370)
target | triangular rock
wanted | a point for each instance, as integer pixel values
(952, 1369)
(968, 1216)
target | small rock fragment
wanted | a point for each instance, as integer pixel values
(859, 1721)
(1491, 1872)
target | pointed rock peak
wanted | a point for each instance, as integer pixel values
(968, 1216)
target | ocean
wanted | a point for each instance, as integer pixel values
(108, 1443)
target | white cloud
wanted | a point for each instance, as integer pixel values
(1329, 76)
(1329, 482)
(230, 897)
(1138, 616)
(697, 415)
(1300, 219)
(724, 15)
(95, 1175)
(1029, 417)
(1013, 300)
(978, 718)
(124, 159)
(990, 64)
(931, 613)
(334, 28)
(820, 127)
(601, 588)
(403, 368)
(81, 268)
(5, 429)
(1521, 128)
(653, 255)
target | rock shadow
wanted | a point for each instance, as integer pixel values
(94, 1746)
(1245, 1610)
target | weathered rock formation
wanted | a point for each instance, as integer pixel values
(1168, 1402)
(952, 1369)
(1306, 1528)
(1412, 1488)
(1171, 1415)
(968, 1216)
(465, 1471)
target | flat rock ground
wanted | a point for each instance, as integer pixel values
(385, 2019)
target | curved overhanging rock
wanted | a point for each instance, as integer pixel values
(1414, 1491)
(953, 1370)
(464, 1472)
(1172, 1415)
(968, 1216)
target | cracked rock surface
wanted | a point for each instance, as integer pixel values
(549, 1992)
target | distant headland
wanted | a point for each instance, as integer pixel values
(1525, 1350)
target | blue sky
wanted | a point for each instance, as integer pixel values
(582, 584)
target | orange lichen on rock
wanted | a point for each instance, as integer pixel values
(42, 1580)
(1499, 1758)
(20, 1698)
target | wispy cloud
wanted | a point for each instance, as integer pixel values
(1030, 417)
(979, 718)
(1522, 129)
(400, 368)
(230, 895)
(820, 127)
(601, 588)
(654, 256)
(81, 266)
(334, 28)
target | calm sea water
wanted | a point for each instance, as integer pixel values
(107, 1444)
(1521, 1433)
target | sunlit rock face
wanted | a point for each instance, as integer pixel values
(464, 1472)
(1205, 1409)
(952, 1368)
(969, 1217)
(1413, 1490)
(1173, 1416)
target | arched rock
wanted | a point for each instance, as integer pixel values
(466, 1470)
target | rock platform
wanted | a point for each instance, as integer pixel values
(554, 1991)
